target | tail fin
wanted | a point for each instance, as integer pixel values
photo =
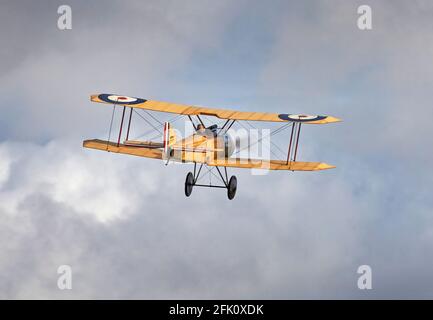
(169, 137)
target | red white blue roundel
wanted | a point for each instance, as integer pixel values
(300, 117)
(124, 100)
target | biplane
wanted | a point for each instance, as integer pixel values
(210, 145)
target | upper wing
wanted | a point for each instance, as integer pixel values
(219, 113)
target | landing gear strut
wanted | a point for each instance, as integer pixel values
(192, 178)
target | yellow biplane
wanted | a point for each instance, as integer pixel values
(210, 146)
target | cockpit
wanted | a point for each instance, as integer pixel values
(211, 130)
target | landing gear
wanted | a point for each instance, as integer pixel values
(231, 188)
(192, 178)
(189, 183)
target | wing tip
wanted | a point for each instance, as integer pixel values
(325, 166)
(94, 97)
(88, 142)
(327, 119)
(330, 119)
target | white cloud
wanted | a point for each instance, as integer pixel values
(85, 182)
(159, 243)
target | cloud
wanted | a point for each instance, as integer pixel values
(126, 229)
(129, 50)
(376, 80)
(127, 220)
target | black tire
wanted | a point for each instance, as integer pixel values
(189, 183)
(231, 190)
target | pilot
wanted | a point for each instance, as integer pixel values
(201, 128)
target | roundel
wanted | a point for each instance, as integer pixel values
(113, 98)
(300, 117)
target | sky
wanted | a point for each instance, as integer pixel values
(123, 224)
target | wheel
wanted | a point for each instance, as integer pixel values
(189, 183)
(231, 190)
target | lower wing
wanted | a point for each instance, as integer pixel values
(200, 157)
(271, 164)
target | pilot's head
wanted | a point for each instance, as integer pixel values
(200, 127)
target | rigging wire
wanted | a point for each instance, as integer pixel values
(276, 131)
(178, 116)
(150, 123)
(273, 143)
(210, 172)
(263, 137)
(154, 118)
(171, 120)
